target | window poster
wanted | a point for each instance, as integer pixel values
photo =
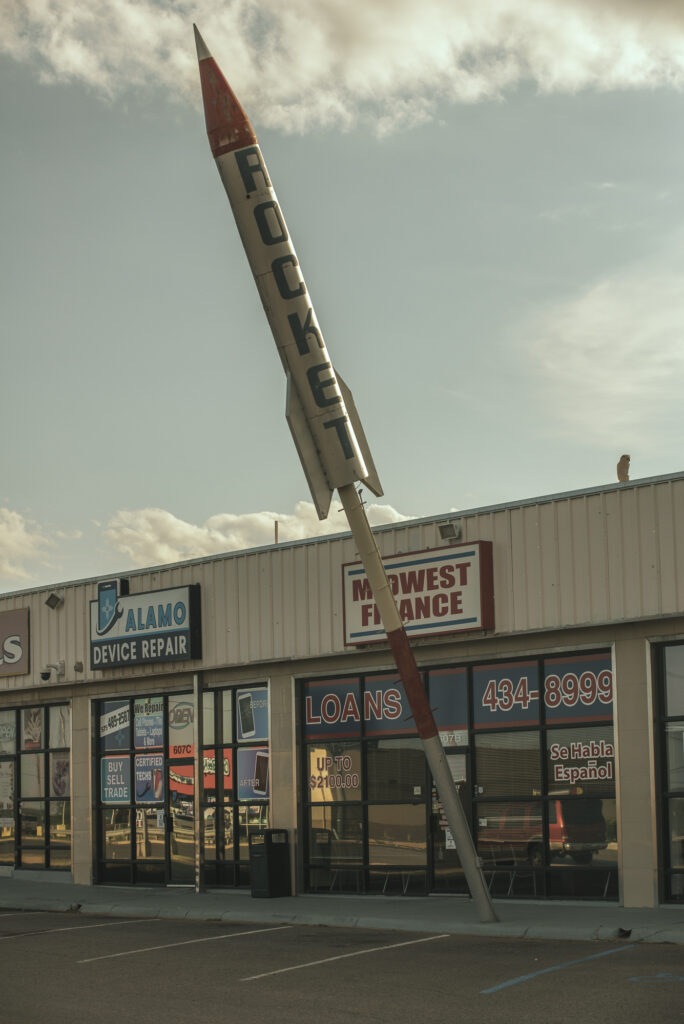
(149, 778)
(253, 773)
(115, 721)
(148, 722)
(115, 777)
(182, 726)
(252, 714)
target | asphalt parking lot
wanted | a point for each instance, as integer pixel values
(61, 967)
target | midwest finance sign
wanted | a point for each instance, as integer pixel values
(144, 629)
(444, 590)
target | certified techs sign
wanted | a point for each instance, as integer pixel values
(144, 629)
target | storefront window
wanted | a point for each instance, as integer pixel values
(583, 831)
(511, 834)
(8, 732)
(32, 834)
(334, 772)
(674, 681)
(32, 728)
(581, 761)
(508, 764)
(116, 833)
(676, 834)
(32, 776)
(397, 835)
(336, 834)
(674, 740)
(60, 726)
(396, 770)
(672, 769)
(147, 785)
(531, 750)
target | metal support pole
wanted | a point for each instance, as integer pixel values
(197, 691)
(417, 698)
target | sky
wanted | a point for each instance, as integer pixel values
(487, 202)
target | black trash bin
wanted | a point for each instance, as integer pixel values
(269, 862)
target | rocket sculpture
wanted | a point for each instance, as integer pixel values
(320, 409)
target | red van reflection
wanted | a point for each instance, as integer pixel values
(513, 833)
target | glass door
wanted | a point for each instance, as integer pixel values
(181, 822)
(447, 873)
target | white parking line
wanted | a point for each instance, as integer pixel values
(343, 956)
(188, 942)
(73, 928)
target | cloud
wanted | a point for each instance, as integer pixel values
(23, 547)
(153, 536)
(610, 360)
(324, 62)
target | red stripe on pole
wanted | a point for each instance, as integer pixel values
(413, 684)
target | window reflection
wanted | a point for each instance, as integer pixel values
(32, 830)
(116, 833)
(397, 834)
(150, 833)
(253, 818)
(32, 776)
(60, 833)
(583, 831)
(676, 808)
(396, 770)
(511, 833)
(335, 834)
(8, 732)
(674, 738)
(674, 681)
(60, 722)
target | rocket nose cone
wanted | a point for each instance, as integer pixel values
(202, 50)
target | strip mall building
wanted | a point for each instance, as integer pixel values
(149, 724)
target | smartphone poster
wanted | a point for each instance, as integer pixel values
(149, 778)
(252, 714)
(253, 773)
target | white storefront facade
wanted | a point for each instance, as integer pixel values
(150, 723)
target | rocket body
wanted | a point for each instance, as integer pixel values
(320, 409)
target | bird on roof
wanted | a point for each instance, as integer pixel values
(623, 469)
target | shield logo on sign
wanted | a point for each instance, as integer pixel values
(108, 610)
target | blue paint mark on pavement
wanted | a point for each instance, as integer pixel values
(558, 967)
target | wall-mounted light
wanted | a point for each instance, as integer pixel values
(54, 599)
(56, 668)
(450, 530)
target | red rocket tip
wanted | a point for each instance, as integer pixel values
(228, 126)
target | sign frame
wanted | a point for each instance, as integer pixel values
(435, 564)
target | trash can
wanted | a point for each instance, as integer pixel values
(269, 862)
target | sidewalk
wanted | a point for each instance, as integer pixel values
(452, 914)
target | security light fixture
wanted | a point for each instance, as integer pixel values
(54, 600)
(450, 530)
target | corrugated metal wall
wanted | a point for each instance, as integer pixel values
(591, 557)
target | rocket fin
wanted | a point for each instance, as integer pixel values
(372, 481)
(321, 491)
